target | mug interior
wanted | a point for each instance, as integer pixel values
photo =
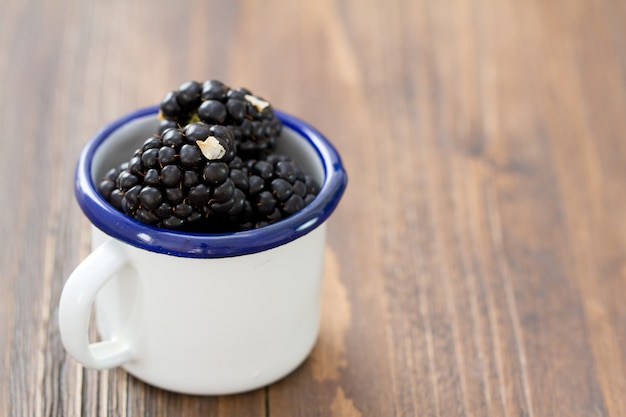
(116, 143)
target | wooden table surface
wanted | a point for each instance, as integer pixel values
(476, 265)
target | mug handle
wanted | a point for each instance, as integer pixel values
(78, 296)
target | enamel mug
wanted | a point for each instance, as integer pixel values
(206, 314)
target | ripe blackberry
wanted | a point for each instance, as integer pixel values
(277, 187)
(250, 118)
(178, 179)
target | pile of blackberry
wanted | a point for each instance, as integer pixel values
(196, 177)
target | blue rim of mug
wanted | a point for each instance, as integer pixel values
(196, 245)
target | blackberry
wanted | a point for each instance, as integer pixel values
(277, 187)
(250, 118)
(178, 179)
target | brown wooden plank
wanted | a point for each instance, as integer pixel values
(476, 266)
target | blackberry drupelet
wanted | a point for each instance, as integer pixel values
(250, 118)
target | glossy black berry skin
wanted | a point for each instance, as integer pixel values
(190, 156)
(105, 187)
(170, 109)
(189, 95)
(212, 111)
(214, 90)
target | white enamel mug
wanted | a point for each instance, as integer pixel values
(206, 314)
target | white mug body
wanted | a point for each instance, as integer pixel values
(214, 326)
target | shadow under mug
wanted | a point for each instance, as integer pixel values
(205, 314)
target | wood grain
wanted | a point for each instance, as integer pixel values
(477, 263)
